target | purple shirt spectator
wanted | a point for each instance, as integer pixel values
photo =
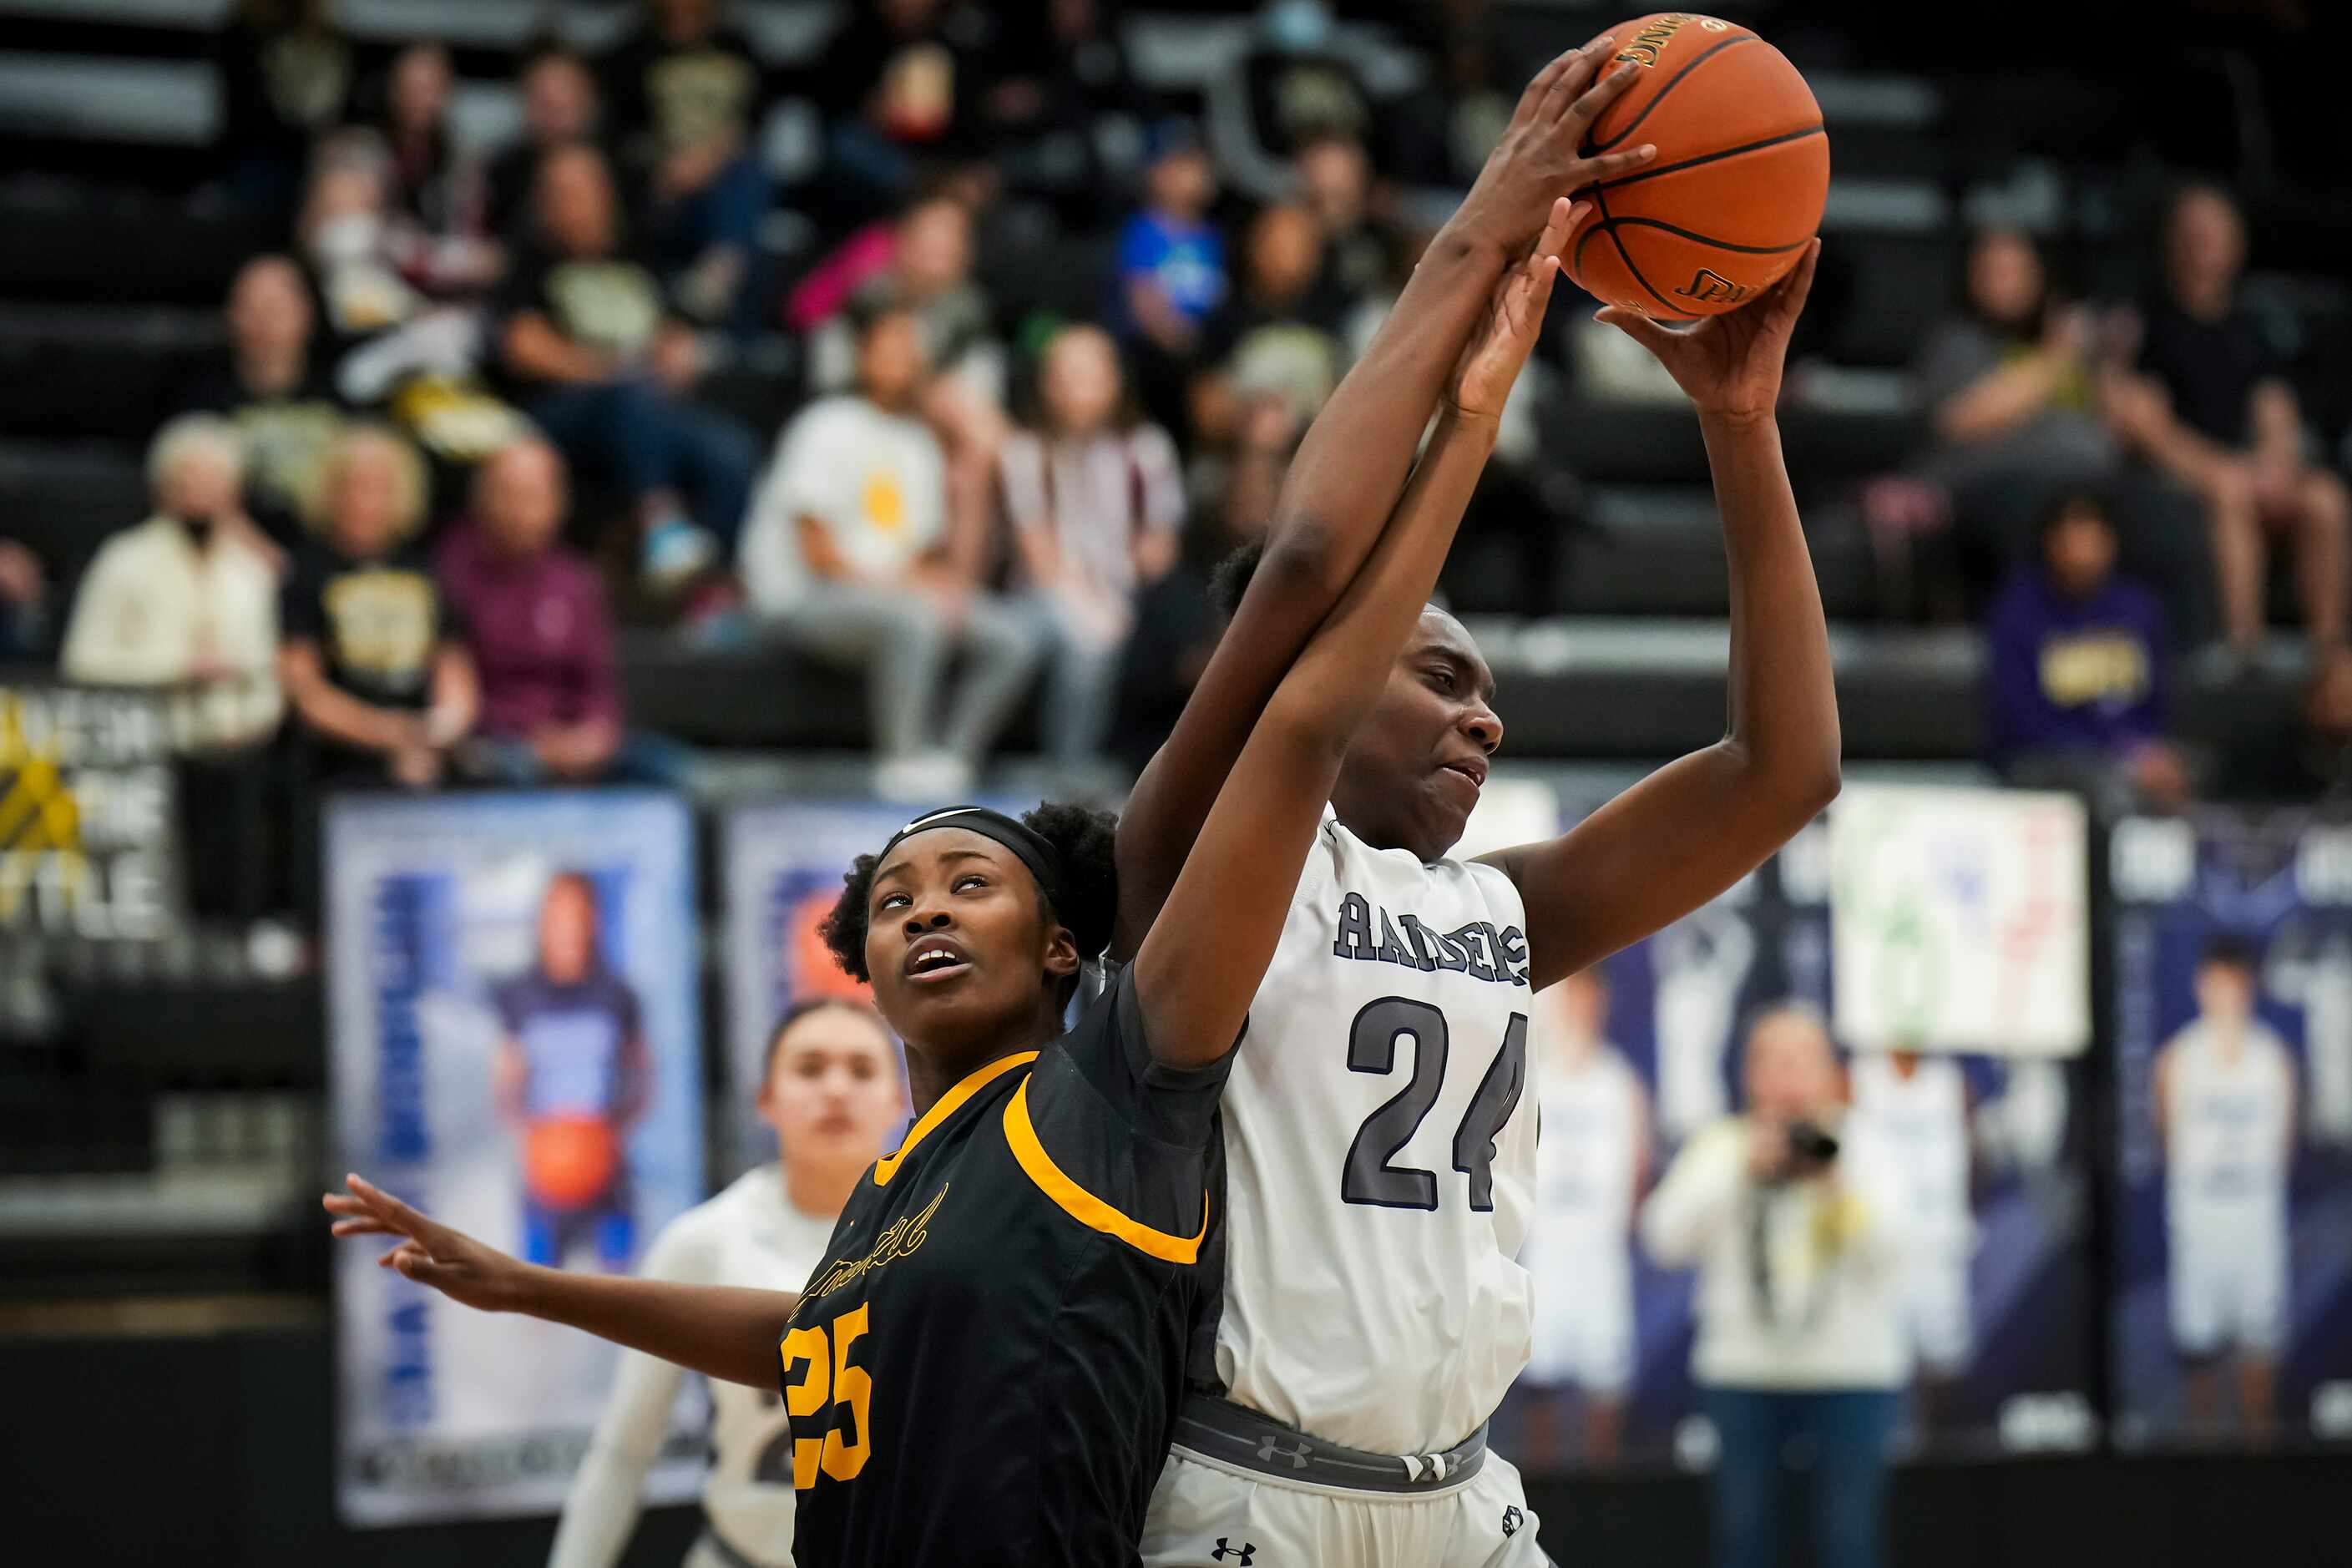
(2080, 675)
(541, 636)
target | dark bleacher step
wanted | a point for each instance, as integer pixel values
(70, 372)
(1645, 690)
(1659, 552)
(1659, 444)
(121, 246)
(768, 696)
(1880, 289)
(61, 502)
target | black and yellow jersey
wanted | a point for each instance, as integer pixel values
(986, 1368)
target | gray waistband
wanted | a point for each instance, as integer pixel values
(1230, 1433)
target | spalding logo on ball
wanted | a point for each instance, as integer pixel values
(1736, 190)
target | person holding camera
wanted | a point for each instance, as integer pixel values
(1800, 1349)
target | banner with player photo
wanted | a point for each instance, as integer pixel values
(1638, 1053)
(2232, 974)
(783, 865)
(514, 1047)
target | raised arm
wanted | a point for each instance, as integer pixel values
(1198, 969)
(719, 1330)
(1699, 823)
(1345, 479)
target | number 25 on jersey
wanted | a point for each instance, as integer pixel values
(817, 1372)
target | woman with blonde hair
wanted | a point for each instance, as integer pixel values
(371, 662)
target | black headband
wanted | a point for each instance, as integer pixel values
(1045, 862)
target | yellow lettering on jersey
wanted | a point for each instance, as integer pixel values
(1083, 1206)
(901, 1237)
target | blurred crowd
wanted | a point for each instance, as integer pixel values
(479, 405)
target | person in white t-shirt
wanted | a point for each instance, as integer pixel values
(834, 1095)
(2225, 1109)
(1592, 1159)
(848, 554)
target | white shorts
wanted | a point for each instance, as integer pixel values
(1203, 1516)
(1583, 1330)
(2229, 1291)
(1936, 1313)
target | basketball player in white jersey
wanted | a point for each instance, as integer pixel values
(1916, 1108)
(1380, 1167)
(1592, 1161)
(2225, 1111)
(834, 1095)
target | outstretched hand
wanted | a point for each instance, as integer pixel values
(1541, 152)
(430, 1253)
(1495, 353)
(1729, 364)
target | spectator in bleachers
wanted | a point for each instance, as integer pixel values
(1097, 504)
(189, 597)
(286, 77)
(926, 269)
(561, 105)
(1335, 182)
(1277, 335)
(372, 663)
(438, 202)
(2076, 662)
(2012, 385)
(849, 554)
(1295, 82)
(346, 239)
(534, 618)
(598, 357)
(900, 87)
(1170, 268)
(685, 94)
(23, 603)
(269, 386)
(1060, 74)
(2011, 391)
(2213, 408)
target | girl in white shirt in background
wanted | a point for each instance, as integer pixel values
(1794, 1227)
(1097, 503)
(834, 1094)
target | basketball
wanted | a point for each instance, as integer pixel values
(570, 1161)
(1737, 187)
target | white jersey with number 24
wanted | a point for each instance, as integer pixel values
(1379, 1164)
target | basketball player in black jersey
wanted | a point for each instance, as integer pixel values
(985, 1369)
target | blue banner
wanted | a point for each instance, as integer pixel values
(2232, 1318)
(514, 1047)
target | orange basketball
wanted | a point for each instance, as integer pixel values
(1736, 189)
(570, 1161)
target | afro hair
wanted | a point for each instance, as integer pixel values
(1083, 839)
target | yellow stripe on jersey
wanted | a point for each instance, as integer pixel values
(1083, 1206)
(948, 1105)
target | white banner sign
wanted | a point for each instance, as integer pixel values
(1959, 921)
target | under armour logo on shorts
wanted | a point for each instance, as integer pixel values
(1512, 1520)
(1297, 1455)
(1241, 1554)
